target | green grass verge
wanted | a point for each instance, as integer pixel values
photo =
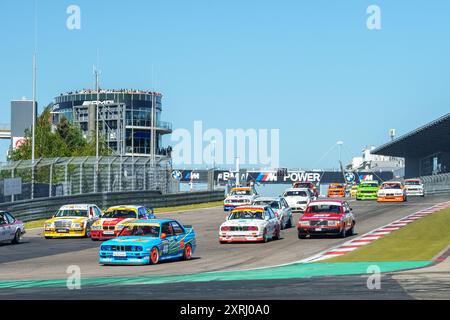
(40, 223)
(420, 240)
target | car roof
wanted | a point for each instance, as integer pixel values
(125, 206)
(267, 199)
(250, 208)
(77, 206)
(160, 221)
(296, 189)
(327, 202)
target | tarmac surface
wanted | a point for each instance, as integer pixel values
(38, 259)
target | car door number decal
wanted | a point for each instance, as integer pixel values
(165, 248)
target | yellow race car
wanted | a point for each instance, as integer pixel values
(354, 190)
(73, 220)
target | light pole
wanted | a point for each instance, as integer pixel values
(33, 127)
(340, 143)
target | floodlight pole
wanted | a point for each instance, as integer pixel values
(97, 120)
(33, 127)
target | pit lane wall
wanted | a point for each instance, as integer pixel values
(30, 210)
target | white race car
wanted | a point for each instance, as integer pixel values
(241, 196)
(280, 207)
(250, 224)
(392, 191)
(298, 198)
(414, 187)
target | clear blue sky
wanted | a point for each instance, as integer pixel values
(310, 68)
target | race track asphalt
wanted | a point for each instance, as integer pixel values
(39, 259)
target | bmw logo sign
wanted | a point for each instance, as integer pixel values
(177, 175)
(349, 176)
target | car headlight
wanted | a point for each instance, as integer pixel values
(49, 225)
(78, 225)
(97, 227)
(333, 223)
(305, 223)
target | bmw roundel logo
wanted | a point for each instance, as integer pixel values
(349, 176)
(177, 175)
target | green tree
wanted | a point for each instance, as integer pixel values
(66, 141)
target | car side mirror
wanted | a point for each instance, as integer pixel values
(163, 235)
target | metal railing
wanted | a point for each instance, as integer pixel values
(437, 184)
(84, 175)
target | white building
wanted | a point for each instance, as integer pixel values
(369, 161)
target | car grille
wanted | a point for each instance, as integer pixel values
(122, 248)
(63, 224)
(239, 201)
(318, 223)
(368, 192)
(108, 228)
(238, 228)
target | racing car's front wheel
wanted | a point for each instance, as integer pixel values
(154, 256)
(17, 237)
(187, 252)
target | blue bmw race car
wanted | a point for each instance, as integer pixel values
(148, 242)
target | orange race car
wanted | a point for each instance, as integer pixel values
(336, 190)
(393, 191)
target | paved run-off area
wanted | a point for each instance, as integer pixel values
(40, 259)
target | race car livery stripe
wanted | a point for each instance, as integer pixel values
(375, 234)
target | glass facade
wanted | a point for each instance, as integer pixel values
(435, 164)
(125, 118)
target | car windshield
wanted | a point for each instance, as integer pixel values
(72, 213)
(247, 214)
(271, 203)
(412, 183)
(324, 208)
(115, 214)
(391, 186)
(302, 185)
(241, 193)
(295, 194)
(369, 185)
(141, 231)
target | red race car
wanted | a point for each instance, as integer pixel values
(327, 217)
(114, 220)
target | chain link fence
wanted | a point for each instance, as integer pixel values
(71, 176)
